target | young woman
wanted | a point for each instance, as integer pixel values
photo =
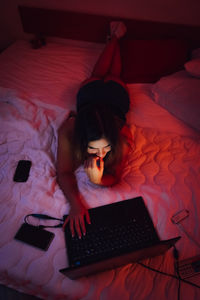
(96, 136)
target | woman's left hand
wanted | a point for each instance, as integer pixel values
(94, 171)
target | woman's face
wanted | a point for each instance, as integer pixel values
(99, 147)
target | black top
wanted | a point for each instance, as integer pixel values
(110, 92)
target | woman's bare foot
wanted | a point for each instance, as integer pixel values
(118, 29)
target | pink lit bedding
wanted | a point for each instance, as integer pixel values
(38, 89)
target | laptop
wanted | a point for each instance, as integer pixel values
(120, 233)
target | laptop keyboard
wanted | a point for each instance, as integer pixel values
(101, 242)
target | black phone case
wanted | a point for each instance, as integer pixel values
(35, 236)
(22, 171)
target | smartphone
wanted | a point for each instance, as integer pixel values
(22, 171)
(98, 162)
(35, 236)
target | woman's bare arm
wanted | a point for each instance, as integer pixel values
(67, 180)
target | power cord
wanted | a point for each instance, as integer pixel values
(167, 274)
(176, 257)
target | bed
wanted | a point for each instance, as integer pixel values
(37, 90)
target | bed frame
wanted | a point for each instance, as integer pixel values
(94, 28)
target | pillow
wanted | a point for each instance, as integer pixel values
(148, 60)
(180, 95)
(193, 67)
(145, 113)
(196, 53)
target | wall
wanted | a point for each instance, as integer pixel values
(173, 11)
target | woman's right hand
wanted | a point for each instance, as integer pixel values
(94, 172)
(76, 220)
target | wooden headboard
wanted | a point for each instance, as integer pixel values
(94, 28)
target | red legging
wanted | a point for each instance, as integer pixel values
(109, 65)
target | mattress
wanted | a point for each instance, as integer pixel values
(37, 91)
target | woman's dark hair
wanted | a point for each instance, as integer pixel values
(94, 122)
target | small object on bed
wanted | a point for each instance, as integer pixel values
(188, 267)
(179, 216)
(38, 42)
(22, 171)
(35, 236)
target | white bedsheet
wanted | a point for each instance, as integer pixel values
(163, 168)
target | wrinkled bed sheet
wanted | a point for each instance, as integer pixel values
(163, 167)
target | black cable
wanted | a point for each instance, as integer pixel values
(179, 281)
(170, 275)
(176, 258)
(44, 217)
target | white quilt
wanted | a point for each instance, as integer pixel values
(163, 168)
